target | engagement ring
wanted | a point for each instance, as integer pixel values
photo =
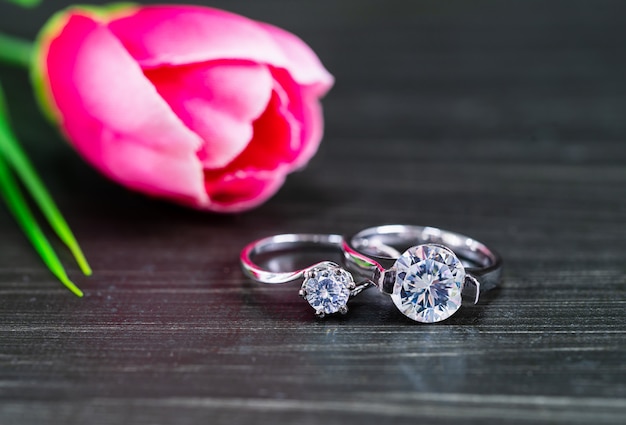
(426, 281)
(326, 286)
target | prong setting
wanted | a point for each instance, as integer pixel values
(472, 280)
(326, 288)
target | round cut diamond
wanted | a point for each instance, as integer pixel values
(428, 285)
(327, 289)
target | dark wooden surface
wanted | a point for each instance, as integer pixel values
(505, 120)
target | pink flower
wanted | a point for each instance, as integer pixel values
(193, 104)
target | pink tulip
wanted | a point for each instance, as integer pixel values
(192, 104)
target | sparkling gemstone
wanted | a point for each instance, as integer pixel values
(429, 282)
(327, 289)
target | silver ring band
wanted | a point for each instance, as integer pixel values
(326, 286)
(427, 279)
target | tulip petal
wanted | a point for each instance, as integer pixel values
(276, 139)
(260, 170)
(243, 189)
(289, 131)
(179, 35)
(102, 97)
(305, 107)
(218, 101)
(153, 172)
(304, 65)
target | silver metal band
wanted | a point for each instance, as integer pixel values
(285, 242)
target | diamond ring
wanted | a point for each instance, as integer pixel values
(326, 286)
(426, 281)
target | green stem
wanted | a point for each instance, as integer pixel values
(10, 191)
(16, 51)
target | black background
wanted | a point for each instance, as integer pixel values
(504, 120)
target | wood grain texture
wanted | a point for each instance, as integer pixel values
(501, 120)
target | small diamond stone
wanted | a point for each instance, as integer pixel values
(429, 281)
(327, 289)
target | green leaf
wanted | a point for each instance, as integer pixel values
(13, 153)
(26, 3)
(10, 191)
(16, 51)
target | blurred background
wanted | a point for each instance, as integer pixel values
(454, 83)
(504, 120)
(489, 115)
